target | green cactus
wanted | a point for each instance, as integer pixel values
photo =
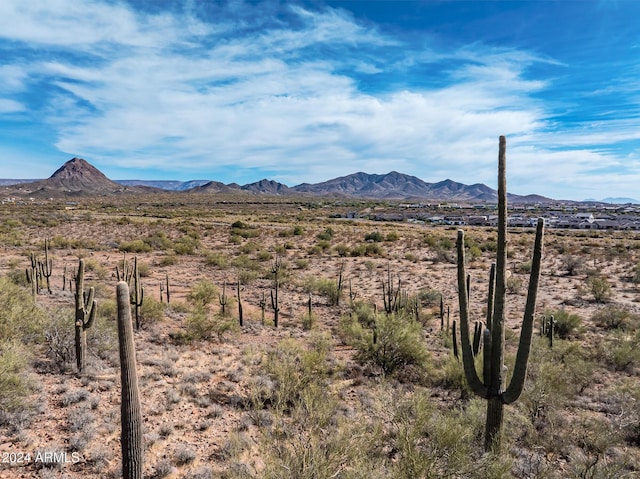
(454, 340)
(240, 316)
(222, 298)
(275, 269)
(390, 295)
(491, 386)
(86, 308)
(46, 266)
(130, 409)
(547, 328)
(137, 291)
(263, 306)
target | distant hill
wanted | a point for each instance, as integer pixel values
(267, 187)
(78, 177)
(620, 201)
(171, 185)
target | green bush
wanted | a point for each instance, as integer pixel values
(134, 246)
(613, 317)
(200, 325)
(391, 342)
(600, 288)
(20, 318)
(15, 386)
(375, 236)
(567, 325)
(151, 311)
(203, 293)
(326, 234)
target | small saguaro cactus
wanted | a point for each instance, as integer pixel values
(389, 294)
(275, 269)
(240, 316)
(137, 291)
(130, 409)
(492, 385)
(86, 308)
(222, 298)
(46, 266)
(263, 306)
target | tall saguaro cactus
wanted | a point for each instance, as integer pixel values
(491, 387)
(130, 409)
(86, 308)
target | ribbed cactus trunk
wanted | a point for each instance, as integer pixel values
(86, 308)
(131, 415)
(491, 387)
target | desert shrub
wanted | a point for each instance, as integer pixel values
(308, 321)
(186, 245)
(325, 287)
(524, 268)
(144, 269)
(302, 263)
(613, 317)
(391, 342)
(621, 353)
(20, 318)
(374, 236)
(59, 337)
(326, 234)
(14, 383)
(599, 288)
(342, 250)
(294, 370)
(567, 325)
(635, 277)
(158, 241)
(151, 311)
(168, 260)
(572, 264)
(392, 236)
(200, 325)
(243, 230)
(134, 246)
(514, 285)
(217, 259)
(429, 297)
(203, 293)
(264, 256)
(249, 247)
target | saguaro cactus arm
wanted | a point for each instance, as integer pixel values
(520, 369)
(470, 372)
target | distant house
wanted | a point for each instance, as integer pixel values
(455, 220)
(478, 220)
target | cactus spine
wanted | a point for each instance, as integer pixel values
(86, 308)
(130, 411)
(491, 386)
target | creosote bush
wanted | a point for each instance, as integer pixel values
(390, 341)
(567, 325)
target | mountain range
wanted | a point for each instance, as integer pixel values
(77, 177)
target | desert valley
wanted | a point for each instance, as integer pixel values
(299, 335)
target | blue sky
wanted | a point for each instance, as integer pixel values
(307, 91)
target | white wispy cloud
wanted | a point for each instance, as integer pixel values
(178, 92)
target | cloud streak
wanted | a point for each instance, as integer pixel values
(285, 97)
